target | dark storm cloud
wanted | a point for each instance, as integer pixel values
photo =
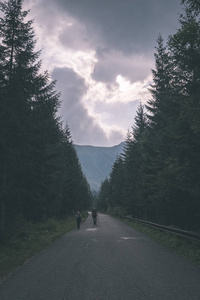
(83, 127)
(128, 25)
(135, 68)
(118, 28)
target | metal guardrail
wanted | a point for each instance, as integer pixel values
(182, 233)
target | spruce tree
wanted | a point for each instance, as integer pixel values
(76, 193)
(103, 196)
(185, 50)
(117, 184)
(134, 164)
(29, 105)
(163, 111)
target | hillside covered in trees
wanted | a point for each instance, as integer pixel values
(97, 162)
(158, 177)
(40, 176)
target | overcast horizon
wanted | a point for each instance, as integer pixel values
(101, 53)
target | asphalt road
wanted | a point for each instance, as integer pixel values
(108, 262)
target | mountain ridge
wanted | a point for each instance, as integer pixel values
(97, 162)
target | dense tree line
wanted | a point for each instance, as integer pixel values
(40, 173)
(157, 178)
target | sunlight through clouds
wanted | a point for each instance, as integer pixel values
(103, 66)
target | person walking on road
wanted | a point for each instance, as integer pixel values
(94, 216)
(78, 219)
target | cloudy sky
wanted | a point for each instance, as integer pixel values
(101, 53)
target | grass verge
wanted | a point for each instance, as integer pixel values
(186, 248)
(30, 239)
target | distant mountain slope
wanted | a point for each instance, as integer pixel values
(97, 162)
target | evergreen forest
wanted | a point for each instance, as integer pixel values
(158, 176)
(41, 176)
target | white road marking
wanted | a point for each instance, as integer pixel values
(92, 229)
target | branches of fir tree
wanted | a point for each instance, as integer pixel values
(193, 5)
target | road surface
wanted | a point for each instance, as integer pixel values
(108, 262)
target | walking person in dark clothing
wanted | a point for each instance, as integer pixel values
(94, 216)
(78, 219)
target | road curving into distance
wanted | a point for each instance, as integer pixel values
(110, 261)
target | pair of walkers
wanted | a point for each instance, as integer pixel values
(78, 217)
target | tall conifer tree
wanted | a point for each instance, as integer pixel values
(29, 105)
(185, 50)
(134, 163)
